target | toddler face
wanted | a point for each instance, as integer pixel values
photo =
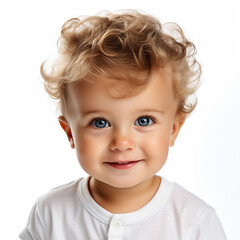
(122, 142)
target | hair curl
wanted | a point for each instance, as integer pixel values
(123, 46)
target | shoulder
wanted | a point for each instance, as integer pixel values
(194, 215)
(187, 205)
(60, 196)
(184, 205)
(185, 200)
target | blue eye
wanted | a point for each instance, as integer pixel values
(100, 123)
(144, 121)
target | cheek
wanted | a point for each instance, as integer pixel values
(89, 149)
(157, 145)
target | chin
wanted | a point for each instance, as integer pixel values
(125, 183)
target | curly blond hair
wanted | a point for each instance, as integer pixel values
(122, 46)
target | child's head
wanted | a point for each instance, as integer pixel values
(123, 86)
(125, 47)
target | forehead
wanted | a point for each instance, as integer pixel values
(102, 93)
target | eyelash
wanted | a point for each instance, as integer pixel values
(147, 116)
(91, 123)
(99, 118)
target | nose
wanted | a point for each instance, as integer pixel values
(122, 142)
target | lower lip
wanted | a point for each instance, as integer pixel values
(123, 166)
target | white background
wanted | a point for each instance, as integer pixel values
(34, 152)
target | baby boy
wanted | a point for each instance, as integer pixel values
(123, 83)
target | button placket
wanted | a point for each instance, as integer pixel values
(117, 224)
(115, 230)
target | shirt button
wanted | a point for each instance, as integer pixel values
(117, 224)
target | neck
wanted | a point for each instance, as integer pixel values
(123, 200)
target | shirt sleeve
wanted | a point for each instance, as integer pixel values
(207, 226)
(34, 229)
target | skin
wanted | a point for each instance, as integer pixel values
(123, 138)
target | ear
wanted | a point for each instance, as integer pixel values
(177, 124)
(66, 127)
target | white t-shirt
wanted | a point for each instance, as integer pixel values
(70, 213)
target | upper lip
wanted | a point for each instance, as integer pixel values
(123, 161)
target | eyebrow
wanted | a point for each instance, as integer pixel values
(93, 112)
(105, 112)
(151, 110)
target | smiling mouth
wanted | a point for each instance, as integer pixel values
(123, 164)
